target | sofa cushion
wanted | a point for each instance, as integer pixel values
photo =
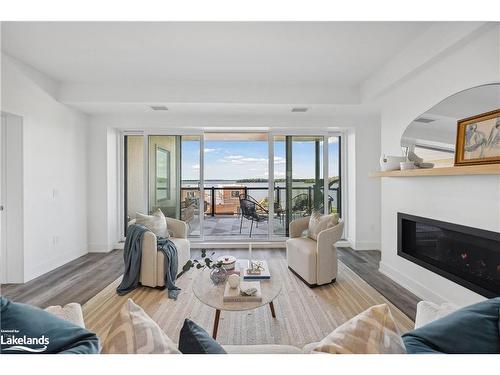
(134, 332)
(52, 334)
(156, 223)
(195, 340)
(319, 222)
(473, 329)
(373, 331)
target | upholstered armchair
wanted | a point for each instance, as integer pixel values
(315, 262)
(152, 261)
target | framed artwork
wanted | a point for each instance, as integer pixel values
(478, 139)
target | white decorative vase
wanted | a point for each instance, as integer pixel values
(391, 163)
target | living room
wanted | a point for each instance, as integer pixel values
(262, 187)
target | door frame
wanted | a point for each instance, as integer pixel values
(201, 133)
(146, 183)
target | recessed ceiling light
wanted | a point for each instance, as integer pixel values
(299, 109)
(159, 108)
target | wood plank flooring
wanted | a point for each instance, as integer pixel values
(81, 279)
(365, 264)
(77, 281)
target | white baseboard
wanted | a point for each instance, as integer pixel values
(365, 245)
(100, 248)
(412, 285)
(52, 264)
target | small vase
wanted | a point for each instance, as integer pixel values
(218, 275)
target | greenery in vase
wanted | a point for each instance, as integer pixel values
(204, 262)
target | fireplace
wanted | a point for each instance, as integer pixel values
(465, 255)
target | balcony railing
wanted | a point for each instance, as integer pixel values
(224, 200)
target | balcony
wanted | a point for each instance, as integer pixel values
(223, 219)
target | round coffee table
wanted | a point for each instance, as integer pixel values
(213, 296)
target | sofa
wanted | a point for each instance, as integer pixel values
(426, 313)
(152, 261)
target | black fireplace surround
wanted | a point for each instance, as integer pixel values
(468, 256)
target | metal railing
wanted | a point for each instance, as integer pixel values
(210, 204)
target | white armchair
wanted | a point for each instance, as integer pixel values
(152, 261)
(315, 262)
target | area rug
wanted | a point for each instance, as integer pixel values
(303, 315)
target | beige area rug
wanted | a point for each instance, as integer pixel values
(303, 315)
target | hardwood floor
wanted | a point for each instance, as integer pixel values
(83, 278)
(76, 281)
(365, 264)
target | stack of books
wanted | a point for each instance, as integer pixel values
(235, 295)
(264, 273)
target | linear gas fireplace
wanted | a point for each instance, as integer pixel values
(465, 255)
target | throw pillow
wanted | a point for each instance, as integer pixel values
(134, 332)
(319, 222)
(72, 312)
(373, 331)
(156, 223)
(473, 329)
(195, 340)
(29, 330)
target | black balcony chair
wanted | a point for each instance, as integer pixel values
(251, 210)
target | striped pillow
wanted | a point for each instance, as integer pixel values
(373, 331)
(134, 332)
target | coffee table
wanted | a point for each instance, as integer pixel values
(212, 295)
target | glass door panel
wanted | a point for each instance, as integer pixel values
(298, 179)
(164, 174)
(307, 175)
(280, 190)
(133, 177)
(192, 206)
(334, 175)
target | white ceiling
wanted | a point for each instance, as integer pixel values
(210, 53)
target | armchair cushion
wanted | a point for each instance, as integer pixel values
(319, 222)
(156, 223)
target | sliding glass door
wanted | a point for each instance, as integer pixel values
(211, 180)
(298, 178)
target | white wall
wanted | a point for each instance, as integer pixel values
(466, 200)
(54, 170)
(365, 230)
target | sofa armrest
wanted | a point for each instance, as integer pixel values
(178, 228)
(428, 312)
(297, 226)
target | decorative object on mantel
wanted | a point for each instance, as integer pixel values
(478, 139)
(418, 161)
(218, 273)
(409, 161)
(391, 163)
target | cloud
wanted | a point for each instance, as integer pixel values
(333, 140)
(207, 150)
(195, 166)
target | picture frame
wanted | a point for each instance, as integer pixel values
(478, 139)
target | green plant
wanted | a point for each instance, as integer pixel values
(204, 262)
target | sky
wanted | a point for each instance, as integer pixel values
(233, 160)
